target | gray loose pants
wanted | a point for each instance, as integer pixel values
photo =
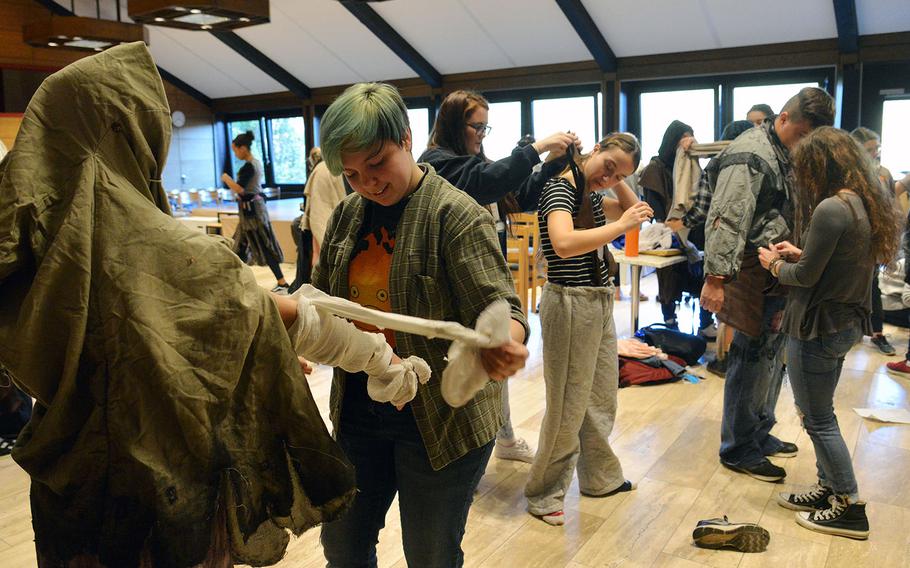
(581, 372)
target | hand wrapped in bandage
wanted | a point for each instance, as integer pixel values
(323, 338)
(398, 384)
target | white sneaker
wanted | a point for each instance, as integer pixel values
(518, 451)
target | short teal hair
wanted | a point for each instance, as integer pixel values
(366, 114)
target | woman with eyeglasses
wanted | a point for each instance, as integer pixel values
(505, 186)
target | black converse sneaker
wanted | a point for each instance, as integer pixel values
(842, 518)
(816, 498)
(764, 470)
(721, 533)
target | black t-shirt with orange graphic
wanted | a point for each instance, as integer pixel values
(368, 276)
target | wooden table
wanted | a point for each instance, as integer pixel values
(636, 262)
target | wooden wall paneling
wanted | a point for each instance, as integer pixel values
(9, 127)
(733, 60)
(191, 160)
(14, 14)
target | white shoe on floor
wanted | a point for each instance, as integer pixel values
(519, 450)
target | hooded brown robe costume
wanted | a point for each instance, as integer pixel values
(170, 402)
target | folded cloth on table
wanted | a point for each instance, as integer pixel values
(655, 236)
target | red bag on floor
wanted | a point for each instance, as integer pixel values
(634, 372)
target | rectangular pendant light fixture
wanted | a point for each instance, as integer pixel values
(200, 14)
(86, 34)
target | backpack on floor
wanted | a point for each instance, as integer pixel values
(686, 346)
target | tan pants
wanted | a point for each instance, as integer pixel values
(582, 378)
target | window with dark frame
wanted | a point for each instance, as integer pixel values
(730, 92)
(280, 145)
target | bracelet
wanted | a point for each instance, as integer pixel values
(774, 267)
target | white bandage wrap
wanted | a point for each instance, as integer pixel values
(464, 376)
(321, 337)
(398, 384)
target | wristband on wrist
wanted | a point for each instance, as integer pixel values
(774, 267)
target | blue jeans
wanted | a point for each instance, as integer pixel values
(815, 367)
(389, 456)
(755, 371)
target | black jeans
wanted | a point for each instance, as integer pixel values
(877, 312)
(304, 241)
(389, 456)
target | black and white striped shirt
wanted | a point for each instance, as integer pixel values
(559, 195)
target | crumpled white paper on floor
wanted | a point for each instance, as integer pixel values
(895, 415)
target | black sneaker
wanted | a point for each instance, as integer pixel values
(718, 367)
(842, 518)
(721, 533)
(787, 450)
(816, 498)
(881, 342)
(763, 471)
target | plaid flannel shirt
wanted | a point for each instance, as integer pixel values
(446, 265)
(701, 203)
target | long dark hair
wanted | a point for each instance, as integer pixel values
(244, 139)
(829, 160)
(452, 118)
(448, 133)
(672, 135)
(625, 141)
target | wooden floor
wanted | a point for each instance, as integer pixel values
(667, 438)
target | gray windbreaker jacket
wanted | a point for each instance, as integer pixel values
(752, 203)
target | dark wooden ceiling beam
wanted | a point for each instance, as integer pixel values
(186, 88)
(263, 62)
(589, 33)
(847, 26)
(393, 40)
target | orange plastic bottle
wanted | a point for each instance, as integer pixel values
(632, 241)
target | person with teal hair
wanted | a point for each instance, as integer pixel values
(409, 242)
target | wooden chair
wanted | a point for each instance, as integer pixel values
(518, 257)
(537, 269)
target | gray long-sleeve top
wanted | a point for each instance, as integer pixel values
(830, 285)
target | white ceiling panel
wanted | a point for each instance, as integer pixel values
(445, 34)
(883, 16)
(208, 65)
(530, 32)
(294, 41)
(667, 26)
(323, 44)
(770, 21)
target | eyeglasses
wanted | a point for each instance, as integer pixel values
(481, 128)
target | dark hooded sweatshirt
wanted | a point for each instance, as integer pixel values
(167, 387)
(488, 182)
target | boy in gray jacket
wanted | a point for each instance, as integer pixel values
(753, 206)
